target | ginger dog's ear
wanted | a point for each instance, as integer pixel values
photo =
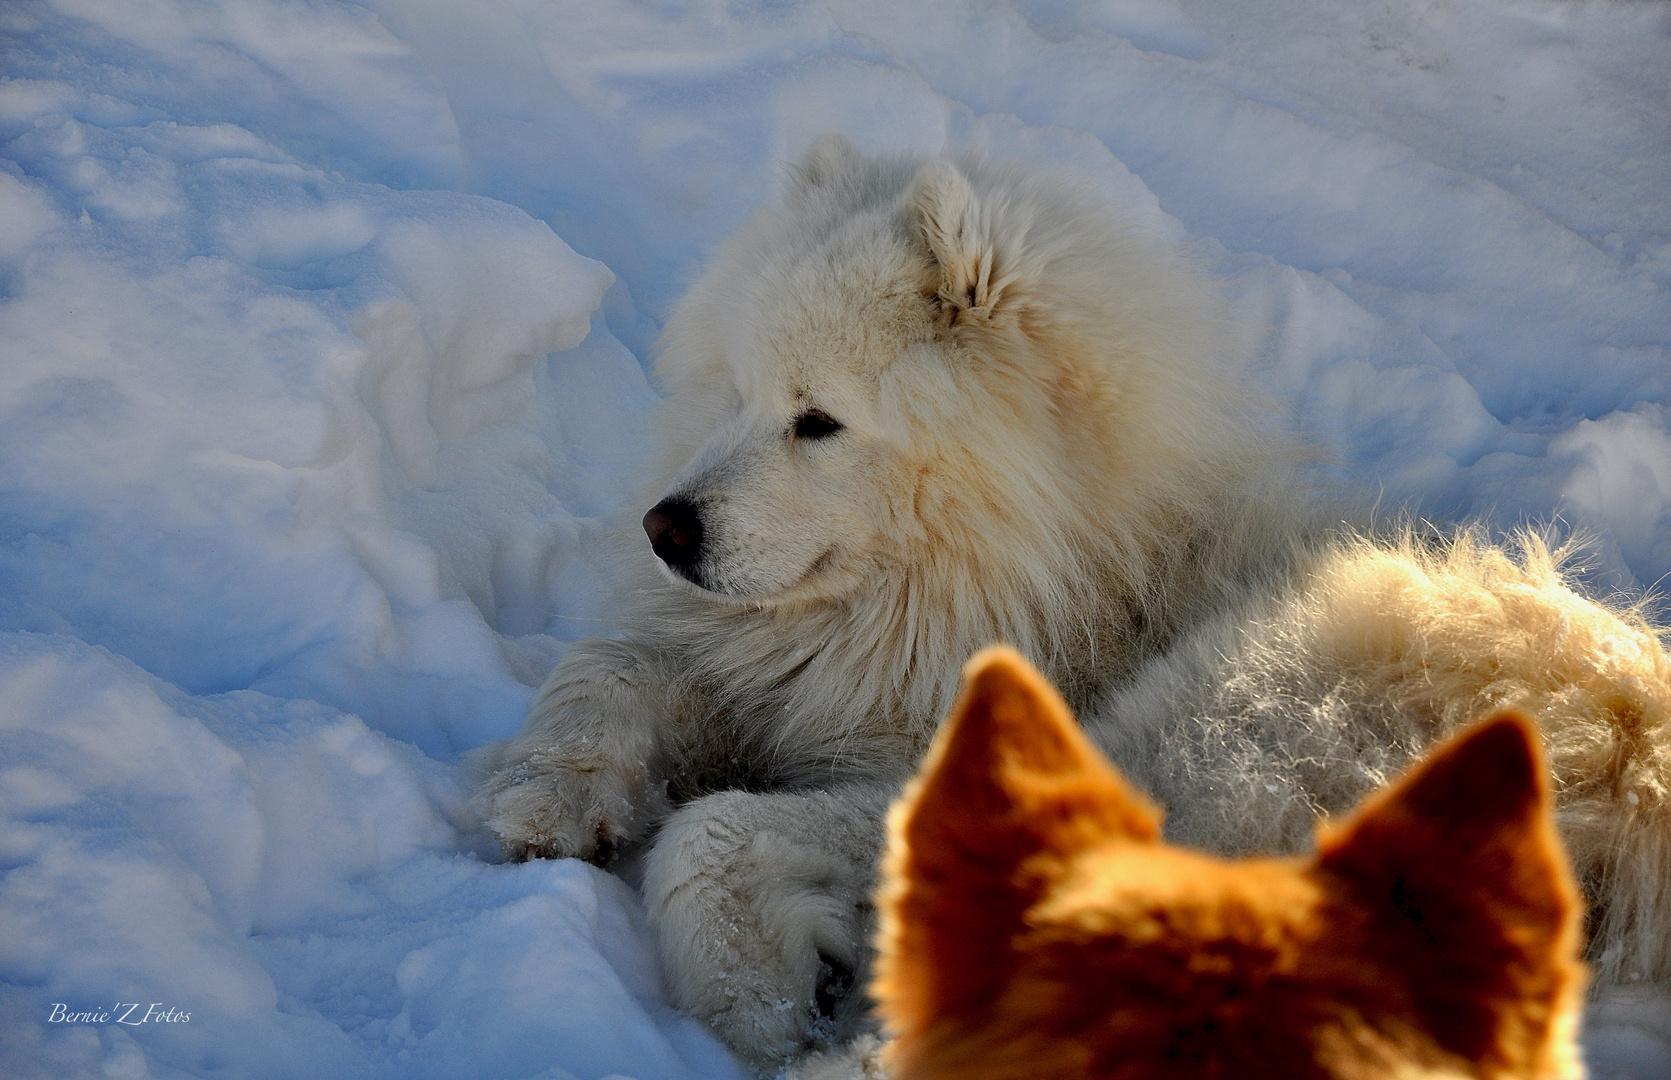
(1010, 790)
(1468, 889)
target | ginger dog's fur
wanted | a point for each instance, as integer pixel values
(1035, 926)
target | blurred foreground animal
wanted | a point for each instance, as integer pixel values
(1036, 927)
(922, 405)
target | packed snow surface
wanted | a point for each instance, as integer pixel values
(323, 331)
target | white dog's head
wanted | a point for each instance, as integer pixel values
(910, 365)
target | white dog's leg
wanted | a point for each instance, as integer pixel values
(858, 1060)
(761, 904)
(584, 775)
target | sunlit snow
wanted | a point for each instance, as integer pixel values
(323, 331)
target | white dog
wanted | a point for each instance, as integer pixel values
(925, 406)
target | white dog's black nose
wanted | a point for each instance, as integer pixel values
(674, 527)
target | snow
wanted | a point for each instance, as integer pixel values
(323, 329)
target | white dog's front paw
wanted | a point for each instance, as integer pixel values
(579, 780)
(547, 804)
(761, 905)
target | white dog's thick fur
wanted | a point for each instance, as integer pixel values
(925, 406)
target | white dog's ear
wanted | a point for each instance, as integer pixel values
(831, 157)
(959, 234)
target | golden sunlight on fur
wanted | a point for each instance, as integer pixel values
(1034, 924)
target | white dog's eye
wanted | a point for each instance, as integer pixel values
(816, 425)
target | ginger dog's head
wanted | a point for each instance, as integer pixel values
(1035, 924)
